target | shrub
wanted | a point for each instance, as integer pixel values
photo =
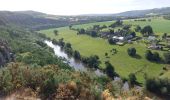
(110, 71)
(132, 78)
(131, 51)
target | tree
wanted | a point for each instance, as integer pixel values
(93, 33)
(61, 42)
(104, 26)
(111, 41)
(126, 27)
(111, 31)
(164, 36)
(68, 45)
(117, 23)
(132, 78)
(149, 55)
(77, 55)
(81, 31)
(152, 56)
(92, 61)
(56, 32)
(147, 31)
(70, 27)
(49, 86)
(167, 58)
(133, 34)
(110, 71)
(156, 57)
(106, 54)
(131, 51)
(138, 28)
(96, 27)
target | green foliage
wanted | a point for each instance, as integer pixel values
(56, 32)
(92, 61)
(147, 31)
(49, 85)
(132, 78)
(116, 24)
(138, 28)
(167, 58)
(131, 51)
(159, 86)
(81, 31)
(152, 56)
(77, 55)
(110, 71)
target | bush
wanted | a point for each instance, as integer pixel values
(132, 78)
(157, 85)
(167, 58)
(49, 86)
(77, 55)
(152, 56)
(110, 71)
(131, 51)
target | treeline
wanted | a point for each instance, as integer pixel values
(142, 20)
(167, 17)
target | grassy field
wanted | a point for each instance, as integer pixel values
(123, 63)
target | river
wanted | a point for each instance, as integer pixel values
(77, 65)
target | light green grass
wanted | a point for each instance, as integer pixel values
(123, 63)
(159, 25)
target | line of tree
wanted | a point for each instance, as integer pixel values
(92, 33)
(116, 24)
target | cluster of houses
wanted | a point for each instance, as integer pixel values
(120, 37)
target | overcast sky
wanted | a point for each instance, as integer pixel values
(76, 7)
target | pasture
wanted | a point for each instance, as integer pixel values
(123, 63)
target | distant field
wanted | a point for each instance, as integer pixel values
(159, 25)
(123, 63)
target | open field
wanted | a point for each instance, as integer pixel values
(123, 63)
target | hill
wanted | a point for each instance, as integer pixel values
(29, 19)
(137, 13)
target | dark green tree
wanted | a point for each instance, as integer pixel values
(147, 31)
(132, 78)
(110, 71)
(138, 28)
(77, 55)
(56, 32)
(149, 55)
(167, 58)
(131, 51)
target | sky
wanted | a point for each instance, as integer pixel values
(77, 7)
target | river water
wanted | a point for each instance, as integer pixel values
(77, 65)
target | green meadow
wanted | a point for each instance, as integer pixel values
(122, 62)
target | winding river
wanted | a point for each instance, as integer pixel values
(77, 65)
